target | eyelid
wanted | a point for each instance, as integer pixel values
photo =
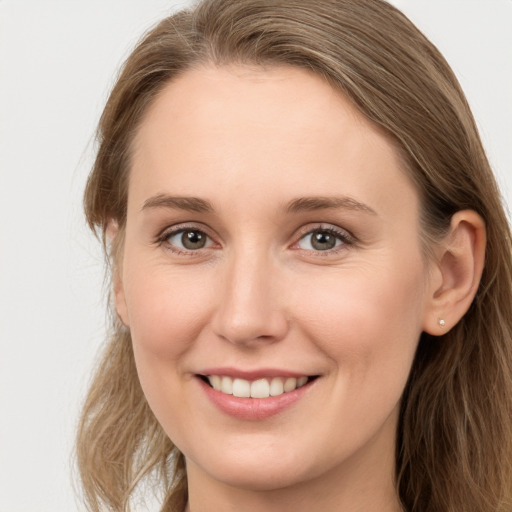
(347, 238)
(164, 234)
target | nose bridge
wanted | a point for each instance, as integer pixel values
(250, 308)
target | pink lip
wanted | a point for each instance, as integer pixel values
(253, 409)
(251, 375)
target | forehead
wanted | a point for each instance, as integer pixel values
(235, 128)
(219, 99)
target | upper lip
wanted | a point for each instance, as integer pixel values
(255, 374)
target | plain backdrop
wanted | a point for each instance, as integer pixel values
(58, 60)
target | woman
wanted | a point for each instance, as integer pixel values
(311, 271)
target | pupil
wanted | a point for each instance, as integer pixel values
(193, 240)
(323, 241)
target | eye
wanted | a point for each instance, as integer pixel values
(187, 239)
(323, 239)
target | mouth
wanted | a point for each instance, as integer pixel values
(258, 388)
(255, 395)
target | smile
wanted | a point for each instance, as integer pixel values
(259, 396)
(260, 388)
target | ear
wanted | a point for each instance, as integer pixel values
(455, 273)
(115, 239)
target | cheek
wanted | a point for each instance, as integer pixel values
(166, 308)
(367, 322)
(167, 311)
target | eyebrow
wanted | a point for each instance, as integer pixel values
(301, 204)
(305, 204)
(191, 204)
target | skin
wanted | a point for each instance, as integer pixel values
(249, 141)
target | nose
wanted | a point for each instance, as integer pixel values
(250, 309)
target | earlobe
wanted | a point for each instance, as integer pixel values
(112, 230)
(458, 270)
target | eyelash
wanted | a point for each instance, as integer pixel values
(340, 235)
(166, 234)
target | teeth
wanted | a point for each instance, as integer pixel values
(301, 381)
(226, 385)
(276, 387)
(261, 388)
(215, 381)
(241, 388)
(290, 384)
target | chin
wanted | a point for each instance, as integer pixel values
(253, 471)
(258, 477)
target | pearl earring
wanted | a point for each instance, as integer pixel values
(442, 323)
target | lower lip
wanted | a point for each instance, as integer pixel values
(254, 409)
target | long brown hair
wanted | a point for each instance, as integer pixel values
(454, 440)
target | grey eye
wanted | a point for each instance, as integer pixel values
(320, 240)
(189, 239)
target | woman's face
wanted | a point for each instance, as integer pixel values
(272, 238)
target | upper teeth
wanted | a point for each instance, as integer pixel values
(261, 388)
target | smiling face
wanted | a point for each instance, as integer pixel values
(272, 246)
